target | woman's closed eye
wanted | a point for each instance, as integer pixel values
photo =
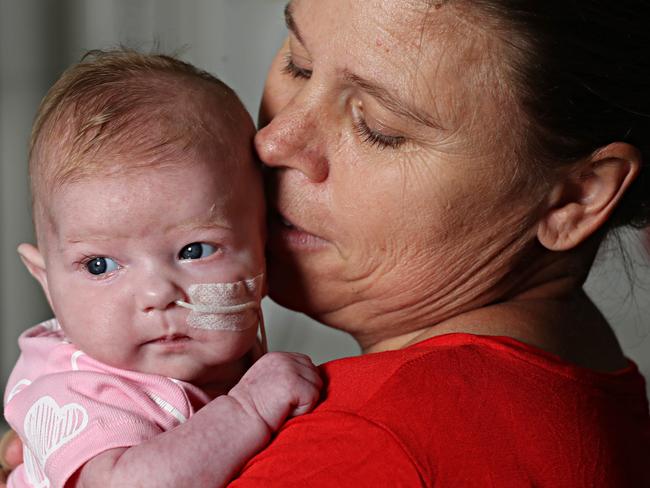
(375, 138)
(292, 69)
(196, 250)
(367, 135)
(371, 136)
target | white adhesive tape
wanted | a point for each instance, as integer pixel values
(224, 306)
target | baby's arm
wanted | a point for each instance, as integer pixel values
(212, 446)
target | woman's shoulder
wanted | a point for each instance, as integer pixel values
(463, 410)
(476, 364)
(505, 403)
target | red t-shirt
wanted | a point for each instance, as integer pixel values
(464, 411)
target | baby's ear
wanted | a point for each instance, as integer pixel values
(33, 260)
(582, 202)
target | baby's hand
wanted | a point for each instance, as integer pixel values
(277, 386)
(10, 455)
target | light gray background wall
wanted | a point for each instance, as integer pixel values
(234, 39)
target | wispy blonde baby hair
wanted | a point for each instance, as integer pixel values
(116, 106)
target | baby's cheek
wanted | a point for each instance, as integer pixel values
(254, 257)
(235, 266)
(225, 346)
(93, 319)
(73, 306)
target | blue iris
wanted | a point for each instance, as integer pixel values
(196, 250)
(101, 265)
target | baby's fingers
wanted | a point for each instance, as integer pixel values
(308, 393)
(11, 452)
(10, 455)
(311, 376)
(306, 369)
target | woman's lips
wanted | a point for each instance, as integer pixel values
(285, 233)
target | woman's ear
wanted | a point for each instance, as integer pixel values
(584, 200)
(35, 264)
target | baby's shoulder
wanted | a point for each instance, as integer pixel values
(44, 349)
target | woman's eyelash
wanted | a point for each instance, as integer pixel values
(290, 68)
(375, 138)
(366, 133)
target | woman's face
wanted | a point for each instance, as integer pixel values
(389, 138)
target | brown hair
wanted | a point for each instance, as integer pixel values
(581, 72)
(117, 102)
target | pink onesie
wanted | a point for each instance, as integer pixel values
(68, 408)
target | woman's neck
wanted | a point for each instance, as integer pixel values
(550, 310)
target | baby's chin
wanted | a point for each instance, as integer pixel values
(215, 380)
(219, 371)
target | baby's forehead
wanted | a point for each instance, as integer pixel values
(152, 198)
(225, 161)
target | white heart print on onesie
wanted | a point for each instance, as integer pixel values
(47, 427)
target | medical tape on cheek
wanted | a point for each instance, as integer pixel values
(224, 306)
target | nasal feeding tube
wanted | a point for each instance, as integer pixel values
(223, 306)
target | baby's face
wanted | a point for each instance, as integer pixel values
(124, 248)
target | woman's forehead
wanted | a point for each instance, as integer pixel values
(417, 34)
(397, 18)
(428, 53)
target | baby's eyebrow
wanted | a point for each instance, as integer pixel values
(197, 224)
(206, 223)
(210, 220)
(81, 240)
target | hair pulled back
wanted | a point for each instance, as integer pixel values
(582, 74)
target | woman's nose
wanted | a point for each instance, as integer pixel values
(293, 139)
(158, 293)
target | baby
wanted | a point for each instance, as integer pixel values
(149, 215)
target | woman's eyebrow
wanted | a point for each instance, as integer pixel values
(291, 23)
(392, 103)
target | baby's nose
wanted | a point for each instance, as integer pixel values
(158, 293)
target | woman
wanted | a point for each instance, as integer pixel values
(441, 174)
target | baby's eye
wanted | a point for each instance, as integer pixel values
(101, 265)
(196, 250)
